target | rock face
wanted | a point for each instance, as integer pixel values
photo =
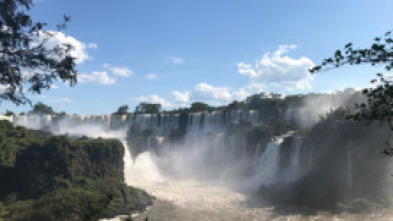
(336, 165)
(62, 157)
(59, 178)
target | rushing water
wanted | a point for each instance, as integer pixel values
(193, 200)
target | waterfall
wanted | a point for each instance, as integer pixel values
(349, 168)
(208, 151)
(181, 154)
(214, 146)
(257, 153)
(163, 124)
(267, 164)
(294, 170)
(142, 170)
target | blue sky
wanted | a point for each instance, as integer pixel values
(176, 52)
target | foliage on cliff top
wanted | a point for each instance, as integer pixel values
(14, 139)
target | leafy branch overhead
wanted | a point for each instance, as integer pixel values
(26, 60)
(380, 52)
(379, 104)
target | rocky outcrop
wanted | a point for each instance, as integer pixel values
(62, 178)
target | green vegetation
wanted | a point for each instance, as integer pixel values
(42, 109)
(380, 97)
(200, 107)
(23, 49)
(147, 108)
(265, 103)
(13, 140)
(44, 177)
(122, 110)
(9, 113)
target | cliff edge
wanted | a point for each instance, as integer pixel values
(45, 177)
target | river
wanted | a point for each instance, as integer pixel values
(192, 200)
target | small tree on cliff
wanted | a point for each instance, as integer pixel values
(379, 104)
(25, 58)
(199, 107)
(147, 108)
(40, 108)
(122, 110)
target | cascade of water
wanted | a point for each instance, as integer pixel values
(256, 154)
(310, 158)
(268, 163)
(194, 122)
(8, 118)
(349, 168)
(294, 170)
(163, 124)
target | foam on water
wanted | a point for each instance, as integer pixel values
(187, 199)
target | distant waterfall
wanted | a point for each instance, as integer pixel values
(211, 148)
(207, 152)
(161, 123)
(267, 166)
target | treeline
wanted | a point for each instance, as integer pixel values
(265, 103)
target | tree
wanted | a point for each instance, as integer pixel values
(379, 104)
(41, 109)
(25, 58)
(122, 110)
(9, 113)
(199, 107)
(147, 108)
(236, 105)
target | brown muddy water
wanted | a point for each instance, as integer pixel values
(192, 200)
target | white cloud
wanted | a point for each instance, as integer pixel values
(240, 94)
(277, 70)
(246, 69)
(53, 86)
(151, 76)
(208, 92)
(56, 38)
(274, 70)
(96, 78)
(155, 99)
(119, 71)
(254, 87)
(181, 97)
(92, 46)
(176, 60)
